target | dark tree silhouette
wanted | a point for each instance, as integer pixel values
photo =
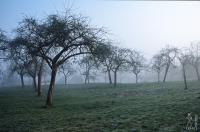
(184, 57)
(119, 60)
(60, 38)
(136, 62)
(157, 65)
(195, 58)
(168, 55)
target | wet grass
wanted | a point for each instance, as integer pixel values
(100, 108)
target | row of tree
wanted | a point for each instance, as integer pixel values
(57, 42)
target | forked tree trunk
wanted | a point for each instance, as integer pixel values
(22, 80)
(115, 78)
(197, 72)
(34, 83)
(166, 71)
(49, 101)
(184, 77)
(40, 79)
(109, 76)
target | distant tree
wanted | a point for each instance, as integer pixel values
(119, 60)
(67, 70)
(136, 62)
(88, 64)
(60, 38)
(168, 56)
(184, 58)
(195, 58)
(157, 64)
(3, 44)
(31, 67)
(106, 60)
(17, 57)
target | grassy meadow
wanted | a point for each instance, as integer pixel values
(148, 107)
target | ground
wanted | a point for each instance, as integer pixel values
(100, 108)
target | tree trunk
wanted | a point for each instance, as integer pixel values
(158, 77)
(49, 101)
(197, 72)
(40, 79)
(86, 79)
(109, 76)
(65, 79)
(166, 71)
(34, 83)
(184, 77)
(136, 78)
(115, 78)
(22, 80)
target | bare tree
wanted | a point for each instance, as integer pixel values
(32, 69)
(88, 64)
(119, 60)
(184, 58)
(157, 65)
(17, 57)
(106, 60)
(136, 62)
(67, 70)
(168, 56)
(58, 39)
(195, 58)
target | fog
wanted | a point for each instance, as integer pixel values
(146, 26)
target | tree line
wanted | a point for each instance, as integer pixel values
(57, 42)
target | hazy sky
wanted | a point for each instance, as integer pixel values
(147, 25)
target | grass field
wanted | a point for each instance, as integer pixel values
(100, 108)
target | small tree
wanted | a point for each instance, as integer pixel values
(17, 57)
(106, 60)
(88, 64)
(168, 55)
(195, 58)
(136, 63)
(119, 60)
(157, 65)
(67, 70)
(184, 58)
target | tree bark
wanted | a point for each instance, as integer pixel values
(22, 80)
(34, 83)
(65, 79)
(158, 77)
(197, 72)
(136, 78)
(115, 78)
(49, 101)
(184, 77)
(109, 76)
(40, 79)
(166, 71)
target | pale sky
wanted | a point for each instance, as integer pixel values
(146, 26)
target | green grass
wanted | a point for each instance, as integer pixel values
(100, 108)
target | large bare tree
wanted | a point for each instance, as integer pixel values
(60, 38)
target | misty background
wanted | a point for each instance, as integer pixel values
(146, 26)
